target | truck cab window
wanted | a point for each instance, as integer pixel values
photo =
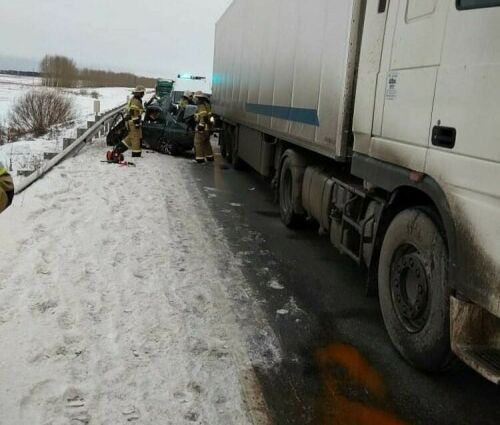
(476, 4)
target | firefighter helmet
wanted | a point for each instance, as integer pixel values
(139, 89)
(200, 94)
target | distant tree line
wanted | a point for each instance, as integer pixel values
(61, 71)
(21, 73)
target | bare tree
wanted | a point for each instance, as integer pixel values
(58, 71)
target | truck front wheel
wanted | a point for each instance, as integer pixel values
(413, 289)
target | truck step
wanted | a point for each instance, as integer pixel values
(352, 223)
(483, 359)
(475, 337)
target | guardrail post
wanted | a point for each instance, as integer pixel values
(67, 142)
(25, 173)
(50, 155)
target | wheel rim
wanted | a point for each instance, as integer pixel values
(410, 288)
(165, 147)
(286, 193)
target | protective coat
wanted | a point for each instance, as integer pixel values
(6, 188)
(135, 111)
(202, 146)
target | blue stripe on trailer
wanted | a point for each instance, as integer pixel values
(302, 115)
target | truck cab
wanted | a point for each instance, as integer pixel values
(429, 106)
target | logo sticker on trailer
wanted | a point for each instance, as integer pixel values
(391, 91)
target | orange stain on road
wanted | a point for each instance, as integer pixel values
(343, 366)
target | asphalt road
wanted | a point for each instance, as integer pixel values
(338, 365)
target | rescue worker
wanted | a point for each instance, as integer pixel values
(6, 188)
(153, 114)
(202, 146)
(134, 115)
(186, 99)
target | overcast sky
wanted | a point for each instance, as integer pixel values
(157, 38)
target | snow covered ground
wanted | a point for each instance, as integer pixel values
(120, 302)
(28, 152)
(12, 87)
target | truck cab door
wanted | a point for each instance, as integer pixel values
(411, 57)
(468, 164)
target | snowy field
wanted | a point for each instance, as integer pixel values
(12, 87)
(121, 302)
(27, 153)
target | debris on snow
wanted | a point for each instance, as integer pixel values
(274, 284)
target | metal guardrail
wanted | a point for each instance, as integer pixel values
(73, 148)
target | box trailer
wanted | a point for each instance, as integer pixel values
(379, 119)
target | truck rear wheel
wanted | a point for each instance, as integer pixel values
(232, 144)
(413, 289)
(290, 190)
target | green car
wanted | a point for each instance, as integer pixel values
(163, 132)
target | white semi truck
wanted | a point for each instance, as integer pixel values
(380, 119)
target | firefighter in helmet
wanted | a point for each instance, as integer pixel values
(6, 188)
(134, 115)
(186, 99)
(202, 146)
(153, 114)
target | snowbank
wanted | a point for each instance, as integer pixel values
(120, 301)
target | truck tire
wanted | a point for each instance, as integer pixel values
(223, 145)
(290, 190)
(231, 144)
(413, 289)
(225, 138)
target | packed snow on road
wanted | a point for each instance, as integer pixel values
(121, 302)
